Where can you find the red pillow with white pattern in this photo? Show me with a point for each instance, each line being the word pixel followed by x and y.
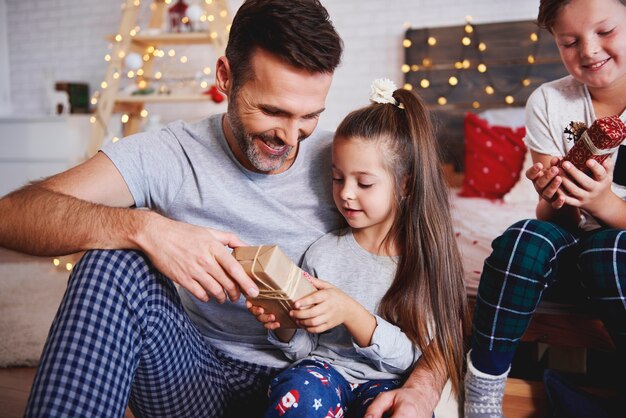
pixel 494 156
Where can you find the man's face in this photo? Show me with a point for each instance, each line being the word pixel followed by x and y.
pixel 269 114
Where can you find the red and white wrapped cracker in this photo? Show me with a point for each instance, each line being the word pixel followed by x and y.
pixel 599 141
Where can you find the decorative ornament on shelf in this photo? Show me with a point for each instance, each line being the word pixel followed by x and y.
pixel 177 15
pixel 194 14
pixel 143 92
pixel 133 61
pixel 215 94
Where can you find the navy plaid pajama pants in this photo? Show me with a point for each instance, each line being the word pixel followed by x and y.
pixel 122 336
pixel 532 257
pixel 314 389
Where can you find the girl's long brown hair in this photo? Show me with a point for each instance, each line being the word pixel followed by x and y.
pixel 427 297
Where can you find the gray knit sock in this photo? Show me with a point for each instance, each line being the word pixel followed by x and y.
pixel 483 393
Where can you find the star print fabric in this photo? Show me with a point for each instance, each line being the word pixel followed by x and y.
pixel 314 389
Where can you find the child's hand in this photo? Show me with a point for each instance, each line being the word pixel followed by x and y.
pixel 589 192
pixel 268 320
pixel 547 182
pixel 324 309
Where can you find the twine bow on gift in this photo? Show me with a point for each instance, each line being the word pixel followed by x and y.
pixel 282 295
pixel 588 142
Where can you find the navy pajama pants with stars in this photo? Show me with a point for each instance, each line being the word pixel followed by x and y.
pixel 315 389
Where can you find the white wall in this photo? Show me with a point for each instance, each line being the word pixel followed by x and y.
pixel 67 38
pixel 5 92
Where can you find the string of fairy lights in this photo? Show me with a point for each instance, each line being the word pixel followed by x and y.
pixel 128 66
pixel 470 38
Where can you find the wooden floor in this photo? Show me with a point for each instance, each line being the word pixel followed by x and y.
pixel 15 385
pixel 521 399
pixel 524 399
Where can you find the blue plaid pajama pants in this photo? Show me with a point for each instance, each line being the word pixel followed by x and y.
pixel 122 336
pixel 314 389
pixel 532 257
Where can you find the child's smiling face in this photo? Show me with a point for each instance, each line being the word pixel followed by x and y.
pixel 591 37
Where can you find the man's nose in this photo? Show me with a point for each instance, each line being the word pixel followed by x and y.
pixel 291 133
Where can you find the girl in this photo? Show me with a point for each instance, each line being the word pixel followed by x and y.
pixel 566 241
pixel 398 257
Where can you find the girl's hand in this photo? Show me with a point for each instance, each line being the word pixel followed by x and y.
pixel 591 193
pixel 547 182
pixel 324 309
pixel 268 320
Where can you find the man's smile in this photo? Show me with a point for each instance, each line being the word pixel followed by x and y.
pixel 273 146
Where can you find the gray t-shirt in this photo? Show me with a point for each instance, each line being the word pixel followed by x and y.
pixel 187 172
pixel 549 110
pixel 337 258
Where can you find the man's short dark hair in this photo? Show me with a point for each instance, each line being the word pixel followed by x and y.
pixel 297 31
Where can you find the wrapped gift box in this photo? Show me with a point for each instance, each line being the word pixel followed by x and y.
pixel 280 281
pixel 599 141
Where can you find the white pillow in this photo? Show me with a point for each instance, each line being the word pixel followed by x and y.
pixel 511 117
pixel 523 191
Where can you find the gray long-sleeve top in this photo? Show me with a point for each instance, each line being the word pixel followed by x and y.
pixel 365 277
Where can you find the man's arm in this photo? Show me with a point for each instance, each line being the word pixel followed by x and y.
pixel 417 398
pixel 87 207
pixel 66 213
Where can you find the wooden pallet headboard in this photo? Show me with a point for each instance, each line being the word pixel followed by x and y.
pixel 517 58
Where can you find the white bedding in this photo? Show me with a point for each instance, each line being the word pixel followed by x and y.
pixel 477 222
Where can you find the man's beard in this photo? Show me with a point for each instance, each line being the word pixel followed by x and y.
pixel 245 141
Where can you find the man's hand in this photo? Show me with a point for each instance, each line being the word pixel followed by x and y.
pixel 404 402
pixel 417 398
pixel 96 198
pixel 196 258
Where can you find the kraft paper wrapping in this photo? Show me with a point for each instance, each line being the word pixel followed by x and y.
pixel 599 141
pixel 280 281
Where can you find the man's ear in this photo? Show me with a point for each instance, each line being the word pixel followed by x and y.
pixel 223 76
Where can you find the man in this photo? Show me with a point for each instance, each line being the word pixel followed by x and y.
pixel 123 333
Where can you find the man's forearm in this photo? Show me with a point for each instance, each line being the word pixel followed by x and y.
pixel 428 382
pixel 39 221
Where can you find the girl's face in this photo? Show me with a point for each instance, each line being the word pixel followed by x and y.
pixel 363 189
pixel 591 37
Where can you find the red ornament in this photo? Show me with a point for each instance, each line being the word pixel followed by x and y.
pixel 215 94
pixel 177 17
